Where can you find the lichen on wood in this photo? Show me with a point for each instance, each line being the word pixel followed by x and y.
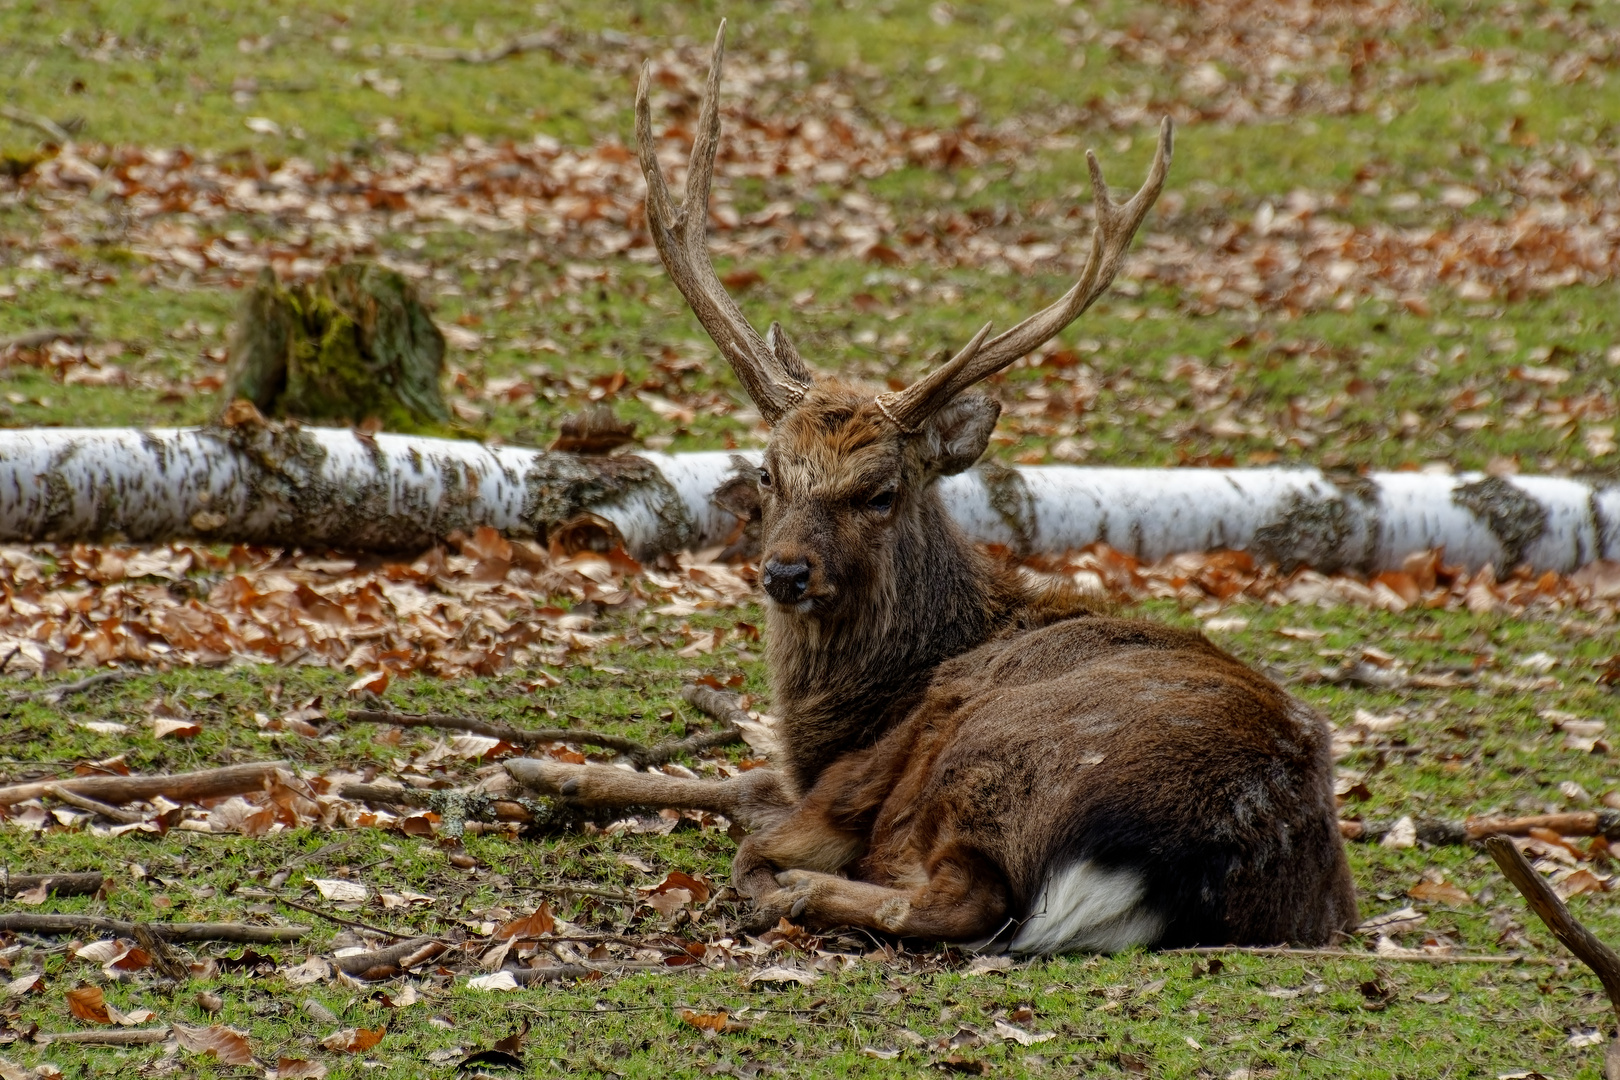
pixel 355 344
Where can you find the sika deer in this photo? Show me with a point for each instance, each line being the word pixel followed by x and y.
pixel 968 756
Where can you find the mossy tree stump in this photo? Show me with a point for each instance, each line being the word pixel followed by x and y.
pixel 355 344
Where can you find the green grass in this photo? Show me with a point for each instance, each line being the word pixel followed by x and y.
pixel 1464 751
pixel 1147 378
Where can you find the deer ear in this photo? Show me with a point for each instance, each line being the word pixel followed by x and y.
pixel 955 436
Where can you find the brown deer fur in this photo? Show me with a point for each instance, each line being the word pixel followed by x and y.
pixel 969 754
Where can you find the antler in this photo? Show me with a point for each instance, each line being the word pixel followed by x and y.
pixel 770 369
pixel 1116 225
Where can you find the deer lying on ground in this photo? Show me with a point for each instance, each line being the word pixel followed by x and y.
pixel 969 756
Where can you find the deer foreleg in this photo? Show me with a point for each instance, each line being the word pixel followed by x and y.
pixel 957 903
pixel 754 800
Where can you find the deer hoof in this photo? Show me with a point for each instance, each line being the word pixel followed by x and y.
pixel 569 786
pixel 798 907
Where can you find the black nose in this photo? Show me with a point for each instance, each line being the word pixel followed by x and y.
pixel 786 582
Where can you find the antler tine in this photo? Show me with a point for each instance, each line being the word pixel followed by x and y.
pixel 1116 225
pixel 772 373
pixel 1110 239
pixel 908 408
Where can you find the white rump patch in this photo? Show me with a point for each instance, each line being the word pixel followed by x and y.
pixel 1084 908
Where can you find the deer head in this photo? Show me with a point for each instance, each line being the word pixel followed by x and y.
pixel 849 507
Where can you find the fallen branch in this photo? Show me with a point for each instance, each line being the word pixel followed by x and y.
pixel 170 932
pixel 339 920
pixel 39 123
pixel 537 40
pixel 504 732
pixel 1566 928
pixel 582 969
pixel 33 339
pixel 456 807
pixel 385 963
pixel 261 482
pixel 177 787
pixel 85 884
pixel 84 802
pixel 1404 956
pixel 1442 832
pixel 715 704
pixel 638 753
pixel 110 1037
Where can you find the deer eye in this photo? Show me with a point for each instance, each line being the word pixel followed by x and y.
pixel 883 500
pixel 764 477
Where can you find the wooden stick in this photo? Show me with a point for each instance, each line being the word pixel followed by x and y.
pixel 504 732
pixel 54 694
pixel 1441 831
pixel 112 1037
pixel 85 884
pixel 84 802
pixel 1555 914
pixel 171 932
pixel 639 753
pixel 178 787
pixel 478 805
pixel 39 123
pixel 1566 928
pixel 391 960
pixel 1349 954
pixel 350 923
pixel 540 39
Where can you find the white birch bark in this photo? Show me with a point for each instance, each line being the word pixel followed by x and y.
pixel 314 486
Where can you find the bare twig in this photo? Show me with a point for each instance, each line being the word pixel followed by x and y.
pixel 585 890
pixel 39 123
pixel 1350 954
pixel 583 969
pixel 85 884
pixel 463 804
pixel 111 1037
pixel 171 932
pixel 33 339
pixel 546 40
pixel 350 923
pixel 1555 914
pixel 84 802
pixel 638 753
pixel 178 787
pixel 382 963
pixel 504 732
pixel 1440 831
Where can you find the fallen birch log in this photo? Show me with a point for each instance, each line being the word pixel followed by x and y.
pixel 259 482
pixel 178 787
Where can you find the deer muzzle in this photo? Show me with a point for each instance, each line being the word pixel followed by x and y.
pixel 786 582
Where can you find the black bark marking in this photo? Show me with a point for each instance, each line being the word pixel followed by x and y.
pixel 1012 502
pixel 1514 518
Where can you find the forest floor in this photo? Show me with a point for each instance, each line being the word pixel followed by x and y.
pixel 1387 242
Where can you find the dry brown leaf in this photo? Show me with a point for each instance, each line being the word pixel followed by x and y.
pixel 299 1069
pixel 227 1044
pixel 712 1024
pixel 88 1004
pixel 354 1040
pixel 1439 892
pixel 538 924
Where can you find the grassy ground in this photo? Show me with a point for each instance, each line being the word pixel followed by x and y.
pixel 1446 95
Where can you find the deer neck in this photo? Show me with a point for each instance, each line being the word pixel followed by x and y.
pixel 840 682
